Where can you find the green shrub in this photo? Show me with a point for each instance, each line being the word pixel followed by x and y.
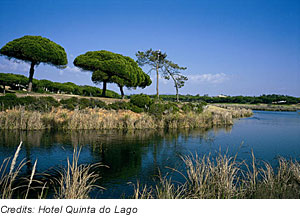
pixel 141 100
pixel 171 107
pixel 70 103
pixel 8 101
pixel 119 105
pixel 97 103
pixel 136 109
pixel 30 103
pixel 156 109
pixel 193 107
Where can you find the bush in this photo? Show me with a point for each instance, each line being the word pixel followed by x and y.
pixel 119 105
pixel 124 106
pixel 97 103
pixel 30 103
pixel 70 103
pixel 8 101
pixel 141 100
pixel 193 107
pixel 156 109
pixel 136 109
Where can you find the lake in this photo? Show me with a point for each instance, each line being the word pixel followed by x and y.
pixel 140 155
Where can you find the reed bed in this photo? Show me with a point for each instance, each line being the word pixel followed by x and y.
pixel 89 119
pixel 223 177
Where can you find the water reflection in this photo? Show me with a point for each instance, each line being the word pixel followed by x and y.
pixel 130 155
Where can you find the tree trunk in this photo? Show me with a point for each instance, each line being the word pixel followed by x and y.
pixel 4 88
pixel 176 86
pixel 157 77
pixel 121 90
pixel 104 89
pixel 31 72
pixel 177 95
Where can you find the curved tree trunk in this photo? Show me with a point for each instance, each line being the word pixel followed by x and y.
pixel 31 72
pixel 104 89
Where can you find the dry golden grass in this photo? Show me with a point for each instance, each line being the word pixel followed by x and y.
pixel 8 180
pixel 123 119
pixel 222 177
pixel 76 181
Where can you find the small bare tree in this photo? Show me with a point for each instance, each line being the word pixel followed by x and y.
pixel 172 70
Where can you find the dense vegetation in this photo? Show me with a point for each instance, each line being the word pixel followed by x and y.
pixel 138 103
pixel 19 82
pixel 266 99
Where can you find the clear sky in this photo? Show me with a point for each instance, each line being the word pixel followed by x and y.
pixel 232 47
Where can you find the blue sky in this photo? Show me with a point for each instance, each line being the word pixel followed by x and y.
pixel 232 47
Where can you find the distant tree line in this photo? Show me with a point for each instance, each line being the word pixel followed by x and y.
pixel 20 82
pixel 265 99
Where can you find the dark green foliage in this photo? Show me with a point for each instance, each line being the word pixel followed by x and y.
pixel 70 103
pixel 264 99
pixel 109 67
pixel 35 49
pixel 17 82
pixel 141 100
pixel 41 104
pixel 82 103
pixel 193 107
pixel 44 104
pixel 120 105
pixel 136 109
pixel 159 108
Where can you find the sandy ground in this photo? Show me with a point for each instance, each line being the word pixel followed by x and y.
pixel 66 96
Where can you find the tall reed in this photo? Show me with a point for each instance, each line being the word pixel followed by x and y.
pixel 8 179
pixel 77 181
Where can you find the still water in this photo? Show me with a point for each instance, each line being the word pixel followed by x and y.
pixel 140 155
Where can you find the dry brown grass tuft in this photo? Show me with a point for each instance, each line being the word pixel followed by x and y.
pixel 7 180
pixel 77 181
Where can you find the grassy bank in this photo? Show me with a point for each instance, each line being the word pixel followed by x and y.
pixel 59 118
pixel 263 107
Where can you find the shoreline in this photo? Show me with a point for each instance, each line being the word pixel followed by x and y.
pixel 262 107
